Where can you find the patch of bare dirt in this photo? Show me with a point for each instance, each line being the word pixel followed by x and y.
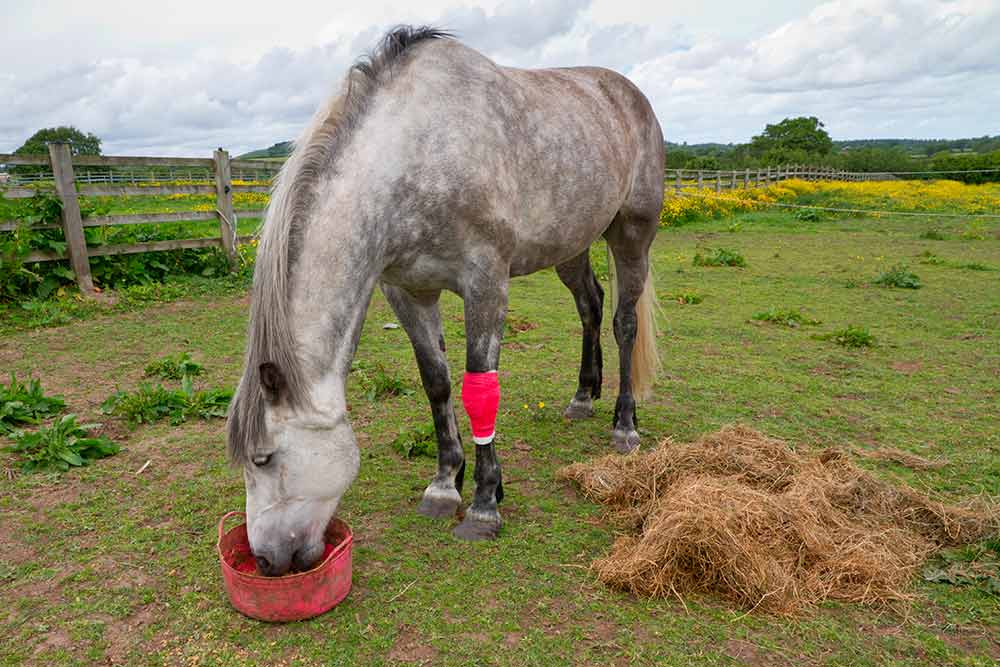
pixel 411 647
pixel 906 367
pixel 747 653
pixel 64 491
pixel 121 636
pixel 512 639
pixel 13 551
pixel 54 641
pixel 121 573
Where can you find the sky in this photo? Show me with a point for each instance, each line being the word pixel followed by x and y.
pixel 188 76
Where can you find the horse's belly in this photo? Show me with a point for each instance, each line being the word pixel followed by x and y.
pixel 544 242
pixel 424 273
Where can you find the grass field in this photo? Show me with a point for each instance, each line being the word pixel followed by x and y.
pixel 102 565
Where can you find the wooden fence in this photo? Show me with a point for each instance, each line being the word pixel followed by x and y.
pixel 219 168
pixel 68 188
pixel 678 179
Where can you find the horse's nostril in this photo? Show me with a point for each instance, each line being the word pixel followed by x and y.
pixel 263 564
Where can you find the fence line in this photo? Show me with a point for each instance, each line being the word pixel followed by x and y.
pixel 216 174
pixel 69 188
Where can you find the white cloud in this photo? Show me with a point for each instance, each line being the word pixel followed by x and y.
pixel 879 67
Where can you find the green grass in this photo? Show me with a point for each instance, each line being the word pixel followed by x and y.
pixel 106 563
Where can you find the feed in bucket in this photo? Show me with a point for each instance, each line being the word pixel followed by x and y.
pixel 292 597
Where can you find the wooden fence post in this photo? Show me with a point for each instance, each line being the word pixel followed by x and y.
pixel 746 178
pixel 699 179
pixel 72 222
pixel 677 182
pixel 732 186
pixel 718 182
pixel 224 205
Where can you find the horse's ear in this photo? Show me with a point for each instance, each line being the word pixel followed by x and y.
pixel 272 380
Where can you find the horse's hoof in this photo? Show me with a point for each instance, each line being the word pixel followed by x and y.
pixel 624 441
pixel 579 409
pixel 439 503
pixel 478 525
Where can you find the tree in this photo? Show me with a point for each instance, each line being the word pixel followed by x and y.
pixel 80 143
pixel 805 134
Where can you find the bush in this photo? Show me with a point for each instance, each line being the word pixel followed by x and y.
pixel 174 368
pixel 25 404
pixel 927 257
pixel 689 299
pixel 933 235
pixel 149 404
pixel 899 277
pixel 720 257
pixel 788 317
pixel 418 441
pixel 852 336
pixel 379 383
pixel 60 446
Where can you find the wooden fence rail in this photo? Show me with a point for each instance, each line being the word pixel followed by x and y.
pixel 732 179
pixel 69 188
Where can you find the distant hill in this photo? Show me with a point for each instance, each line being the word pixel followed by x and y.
pixel 915 147
pixel 280 149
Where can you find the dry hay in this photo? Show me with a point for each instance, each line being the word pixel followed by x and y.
pixel 903 458
pixel 740 514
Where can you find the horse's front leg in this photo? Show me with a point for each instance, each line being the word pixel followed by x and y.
pixel 421 318
pixel 485 311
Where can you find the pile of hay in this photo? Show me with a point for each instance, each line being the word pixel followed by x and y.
pixel 742 515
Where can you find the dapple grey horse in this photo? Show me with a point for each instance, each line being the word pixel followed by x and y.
pixel 435 169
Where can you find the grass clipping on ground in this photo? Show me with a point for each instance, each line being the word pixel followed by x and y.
pixel 742 515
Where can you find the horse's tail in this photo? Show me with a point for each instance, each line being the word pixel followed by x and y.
pixel 645 356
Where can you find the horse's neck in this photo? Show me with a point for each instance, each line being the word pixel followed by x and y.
pixel 332 285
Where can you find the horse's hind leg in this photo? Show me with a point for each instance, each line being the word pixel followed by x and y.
pixel 629 238
pixel 421 318
pixel 579 277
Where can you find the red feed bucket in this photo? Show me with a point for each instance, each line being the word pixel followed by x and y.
pixel 292 597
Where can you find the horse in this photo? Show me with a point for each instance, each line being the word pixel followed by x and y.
pixel 433 168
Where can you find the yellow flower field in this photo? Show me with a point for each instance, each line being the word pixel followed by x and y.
pixel 940 196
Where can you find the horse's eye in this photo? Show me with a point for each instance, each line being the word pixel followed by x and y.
pixel 261 461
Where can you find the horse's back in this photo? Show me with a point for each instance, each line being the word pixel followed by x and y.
pixel 539 161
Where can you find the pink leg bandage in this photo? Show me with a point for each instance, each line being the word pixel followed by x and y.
pixel 481 398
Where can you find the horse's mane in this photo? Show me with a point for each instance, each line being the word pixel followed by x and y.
pixel 270 338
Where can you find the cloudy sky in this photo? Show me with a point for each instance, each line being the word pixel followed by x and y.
pixel 187 76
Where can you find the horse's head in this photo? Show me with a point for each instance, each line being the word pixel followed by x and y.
pixel 298 461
